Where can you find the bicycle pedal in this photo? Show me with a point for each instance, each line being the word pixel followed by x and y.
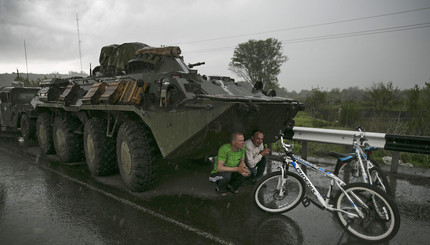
pixel 306 202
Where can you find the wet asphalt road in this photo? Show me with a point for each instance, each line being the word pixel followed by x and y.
pixel 43 201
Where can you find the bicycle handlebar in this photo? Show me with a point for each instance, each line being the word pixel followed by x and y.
pixel 360 136
pixel 288 148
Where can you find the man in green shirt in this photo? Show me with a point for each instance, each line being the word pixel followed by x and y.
pixel 230 170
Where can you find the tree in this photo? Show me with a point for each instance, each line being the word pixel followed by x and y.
pixel 259 60
pixel 315 102
pixel 349 114
pixel 382 97
pixel 334 97
pixel 425 106
pixel 353 94
pixel 413 101
pixel 418 105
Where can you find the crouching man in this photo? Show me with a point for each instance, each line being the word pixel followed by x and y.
pixel 230 170
pixel 256 155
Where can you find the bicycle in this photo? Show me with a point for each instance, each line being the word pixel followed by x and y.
pixel 362 167
pixel 365 211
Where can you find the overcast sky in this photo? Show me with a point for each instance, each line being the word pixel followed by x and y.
pixel 330 44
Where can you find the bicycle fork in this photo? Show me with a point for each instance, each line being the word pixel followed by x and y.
pixel 282 181
pixel 364 170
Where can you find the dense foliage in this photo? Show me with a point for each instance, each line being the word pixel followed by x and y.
pixel 380 108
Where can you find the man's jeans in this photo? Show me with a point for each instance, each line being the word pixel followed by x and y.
pixel 259 168
pixel 224 179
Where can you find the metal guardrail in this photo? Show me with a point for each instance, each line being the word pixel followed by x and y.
pixel 394 143
pixel 407 143
pixel 334 136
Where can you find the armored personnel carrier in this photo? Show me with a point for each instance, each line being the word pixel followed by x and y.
pixel 144 103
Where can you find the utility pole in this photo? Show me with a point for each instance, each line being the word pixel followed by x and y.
pixel 79 42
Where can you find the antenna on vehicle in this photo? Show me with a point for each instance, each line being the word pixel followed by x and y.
pixel 26 64
pixel 79 41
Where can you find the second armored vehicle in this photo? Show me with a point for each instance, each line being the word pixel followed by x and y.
pixel 16 112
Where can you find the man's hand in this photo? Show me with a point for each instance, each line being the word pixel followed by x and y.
pixel 243 169
pixel 265 152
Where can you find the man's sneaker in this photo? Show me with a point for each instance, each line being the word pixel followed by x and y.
pixel 232 190
pixel 223 194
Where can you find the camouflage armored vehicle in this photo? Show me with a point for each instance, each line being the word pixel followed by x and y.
pixel 16 112
pixel 144 103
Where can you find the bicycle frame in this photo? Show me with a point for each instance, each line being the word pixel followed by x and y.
pixel 295 161
pixel 362 156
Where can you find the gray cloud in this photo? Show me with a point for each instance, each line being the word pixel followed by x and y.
pixel 49 28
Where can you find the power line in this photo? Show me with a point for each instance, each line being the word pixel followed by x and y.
pixel 332 36
pixel 359 33
pixel 305 26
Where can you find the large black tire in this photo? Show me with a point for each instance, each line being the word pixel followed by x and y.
pixel 28 127
pixel 137 154
pixel 44 133
pixel 268 197
pixel 99 149
pixel 68 144
pixel 381 219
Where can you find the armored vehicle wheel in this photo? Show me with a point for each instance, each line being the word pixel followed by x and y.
pixel 28 127
pixel 67 143
pixel 99 149
pixel 137 153
pixel 44 133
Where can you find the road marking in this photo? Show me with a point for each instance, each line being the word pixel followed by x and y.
pixel 145 210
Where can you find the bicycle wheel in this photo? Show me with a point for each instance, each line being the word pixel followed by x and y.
pixel 349 174
pixel 271 198
pixel 381 219
pixel 379 179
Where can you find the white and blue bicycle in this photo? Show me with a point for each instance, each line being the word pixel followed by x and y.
pixel 358 166
pixel 365 211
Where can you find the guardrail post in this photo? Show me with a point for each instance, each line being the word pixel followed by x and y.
pixel 304 150
pixel 395 156
pixel 393 185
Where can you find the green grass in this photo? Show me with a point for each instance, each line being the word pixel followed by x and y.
pixel 314 149
pixel 303 119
